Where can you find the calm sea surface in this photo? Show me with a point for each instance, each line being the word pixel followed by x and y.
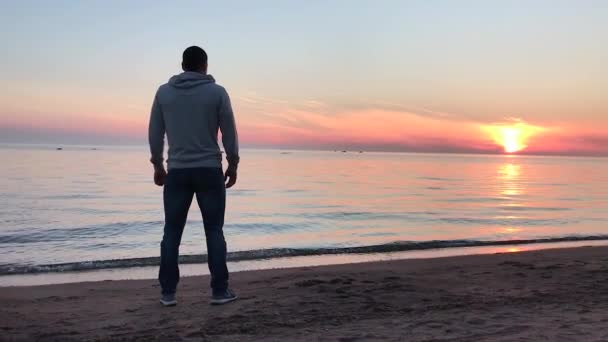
pixel 80 204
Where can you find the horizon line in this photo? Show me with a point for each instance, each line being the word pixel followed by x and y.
pixel 337 150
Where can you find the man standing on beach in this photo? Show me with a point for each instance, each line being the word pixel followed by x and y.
pixel 190 109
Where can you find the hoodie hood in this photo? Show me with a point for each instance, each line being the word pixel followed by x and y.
pixel 190 79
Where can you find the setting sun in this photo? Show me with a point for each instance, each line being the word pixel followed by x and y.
pixel 514 137
pixel 511 140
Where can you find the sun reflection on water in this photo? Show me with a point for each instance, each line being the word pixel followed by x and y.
pixel 513 250
pixel 512 230
pixel 511 188
pixel 509 177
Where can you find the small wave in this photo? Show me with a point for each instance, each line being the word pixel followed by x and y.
pixel 526 208
pixel 358 215
pixel 570 199
pixel 440 179
pixel 508 221
pixel 79 233
pixel 72 196
pixel 429 217
pixel 473 199
pixel 243 192
pixel 260 254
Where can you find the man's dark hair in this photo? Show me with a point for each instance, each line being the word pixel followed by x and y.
pixel 194 58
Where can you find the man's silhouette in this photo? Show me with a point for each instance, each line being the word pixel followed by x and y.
pixel 190 109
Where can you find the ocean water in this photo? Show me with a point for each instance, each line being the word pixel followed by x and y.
pixel 87 207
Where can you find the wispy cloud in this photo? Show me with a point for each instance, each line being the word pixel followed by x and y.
pixel 393 126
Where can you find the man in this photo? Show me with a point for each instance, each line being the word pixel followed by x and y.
pixel 190 109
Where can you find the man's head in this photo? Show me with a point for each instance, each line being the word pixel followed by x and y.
pixel 194 59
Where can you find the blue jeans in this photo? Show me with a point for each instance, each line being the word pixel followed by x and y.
pixel 180 187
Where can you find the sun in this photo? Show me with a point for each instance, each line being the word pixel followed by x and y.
pixel 512 137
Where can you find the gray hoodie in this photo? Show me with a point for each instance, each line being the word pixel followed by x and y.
pixel 190 109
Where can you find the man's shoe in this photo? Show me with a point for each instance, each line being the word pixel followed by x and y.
pixel 223 297
pixel 168 300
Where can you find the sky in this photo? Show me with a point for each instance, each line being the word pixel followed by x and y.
pixel 424 76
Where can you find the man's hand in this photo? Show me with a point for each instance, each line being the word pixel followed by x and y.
pixel 230 176
pixel 159 176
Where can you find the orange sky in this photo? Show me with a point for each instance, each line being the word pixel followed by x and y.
pixel 315 124
pixel 482 78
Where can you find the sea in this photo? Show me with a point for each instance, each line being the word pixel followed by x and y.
pixel 83 208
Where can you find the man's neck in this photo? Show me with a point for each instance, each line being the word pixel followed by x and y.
pixel 198 71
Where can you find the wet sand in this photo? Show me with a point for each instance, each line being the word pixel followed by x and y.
pixel 555 295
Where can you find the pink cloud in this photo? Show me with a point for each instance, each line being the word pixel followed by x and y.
pixel 316 124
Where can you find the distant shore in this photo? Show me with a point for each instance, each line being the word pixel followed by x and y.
pixel 539 295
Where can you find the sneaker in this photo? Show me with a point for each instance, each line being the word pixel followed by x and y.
pixel 223 298
pixel 168 300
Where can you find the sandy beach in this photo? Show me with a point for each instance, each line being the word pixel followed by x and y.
pixel 555 295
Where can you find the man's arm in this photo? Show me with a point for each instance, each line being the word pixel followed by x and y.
pixel 156 139
pixel 230 138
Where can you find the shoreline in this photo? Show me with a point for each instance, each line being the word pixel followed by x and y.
pixel 550 294
pixel 198 269
pixel 274 253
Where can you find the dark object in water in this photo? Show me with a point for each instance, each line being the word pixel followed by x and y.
pixel 285 152
pixel 360 151
pixel 343 151
pixel 59 148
